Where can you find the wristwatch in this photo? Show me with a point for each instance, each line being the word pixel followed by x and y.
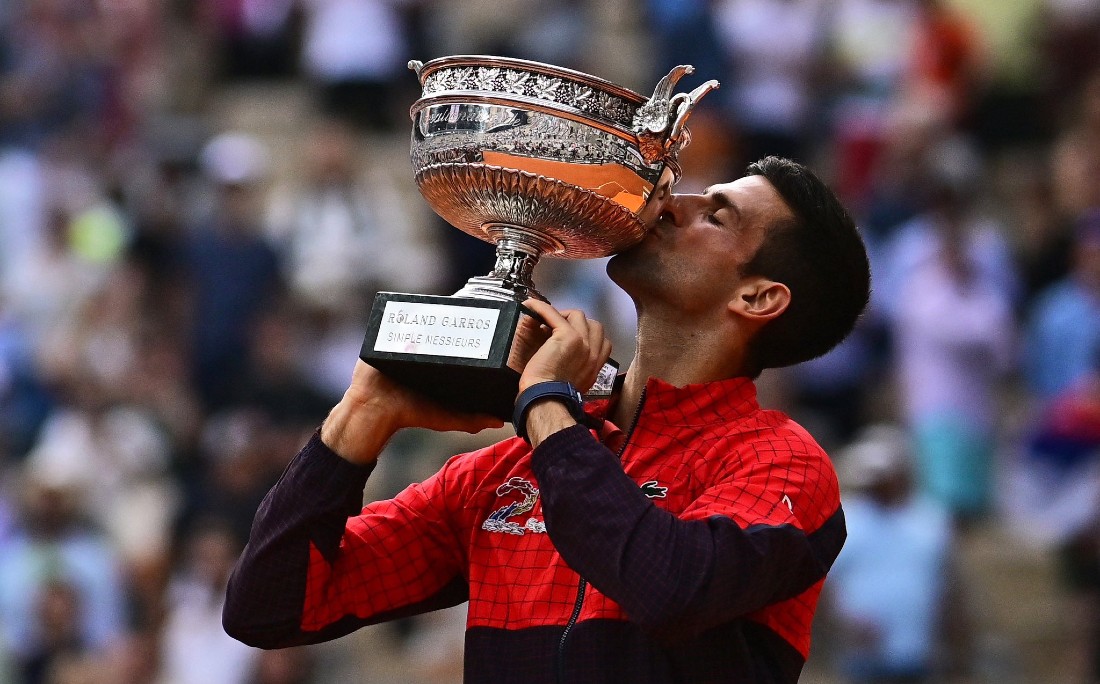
pixel 557 390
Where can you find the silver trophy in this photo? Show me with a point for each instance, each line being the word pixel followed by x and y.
pixel 538 160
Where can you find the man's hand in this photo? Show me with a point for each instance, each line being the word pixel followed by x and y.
pixel 575 352
pixel 374 408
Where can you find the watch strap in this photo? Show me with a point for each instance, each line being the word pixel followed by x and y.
pixel 557 390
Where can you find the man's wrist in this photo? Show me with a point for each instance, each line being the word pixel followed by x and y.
pixel 356 431
pixel 546 417
pixel 535 416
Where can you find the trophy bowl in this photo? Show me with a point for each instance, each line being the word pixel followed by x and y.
pixel 538 160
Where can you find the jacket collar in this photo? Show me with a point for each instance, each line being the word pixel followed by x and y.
pixel 705 403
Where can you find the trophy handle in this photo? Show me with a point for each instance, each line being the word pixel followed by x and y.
pixel 659 123
pixel 652 117
pixel 678 136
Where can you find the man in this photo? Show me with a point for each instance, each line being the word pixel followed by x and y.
pixel 689 548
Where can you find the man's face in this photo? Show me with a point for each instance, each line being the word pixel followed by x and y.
pixel 693 255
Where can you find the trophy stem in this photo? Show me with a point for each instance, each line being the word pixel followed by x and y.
pixel 518 249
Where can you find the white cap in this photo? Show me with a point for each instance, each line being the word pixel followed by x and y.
pixel 235 158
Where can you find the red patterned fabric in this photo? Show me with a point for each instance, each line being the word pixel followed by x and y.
pixel 702 547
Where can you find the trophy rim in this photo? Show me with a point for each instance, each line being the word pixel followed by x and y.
pixel 557 109
pixel 530 65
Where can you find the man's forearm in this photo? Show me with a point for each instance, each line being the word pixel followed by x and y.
pixel 668 574
pixel 309 507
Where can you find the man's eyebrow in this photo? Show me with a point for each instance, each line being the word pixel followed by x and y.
pixel 724 200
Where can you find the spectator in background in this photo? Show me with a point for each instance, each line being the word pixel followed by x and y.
pixel 256 37
pixel 54 74
pixel 335 335
pixel 561 32
pixel 121 457
pixel 1076 154
pixel 1063 331
pixel 61 645
pixel 345 231
pixel 195 648
pixel 97 342
pixel 241 461
pixel 555 32
pixel 1056 497
pixel 163 197
pixel 273 381
pixel 60 580
pixel 25 402
pixel 887 590
pixel 949 308
pixel 945 62
pixel 22 209
pixel 829 393
pixel 684 32
pixel 354 51
pixel 1044 237
pixel 775 49
pixel 50 282
pixel 1071 48
pixel 233 271
pixel 869 47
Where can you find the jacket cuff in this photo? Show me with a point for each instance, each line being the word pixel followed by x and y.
pixel 561 442
pixel 326 476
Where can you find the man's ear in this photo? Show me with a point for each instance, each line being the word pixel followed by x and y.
pixel 760 299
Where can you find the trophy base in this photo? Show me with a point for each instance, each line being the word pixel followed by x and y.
pixel 457 351
pixel 460 352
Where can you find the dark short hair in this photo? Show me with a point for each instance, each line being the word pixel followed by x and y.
pixel 819 255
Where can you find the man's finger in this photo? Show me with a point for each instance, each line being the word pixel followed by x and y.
pixel 550 315
pixel 579 322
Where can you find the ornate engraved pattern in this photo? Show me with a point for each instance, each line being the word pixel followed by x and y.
pixel 552 89
pixel 546 88
pixel 543 136
pixel 471 195
pixel 515 82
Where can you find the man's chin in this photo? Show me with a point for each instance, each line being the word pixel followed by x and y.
pixel 615 264
pixel 625 268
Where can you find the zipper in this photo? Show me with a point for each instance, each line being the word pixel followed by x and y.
pixel 582 586
pixel 633 424
pixel 568 627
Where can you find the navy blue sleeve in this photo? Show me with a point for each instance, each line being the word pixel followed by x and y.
pixel 669 575
pixel 312 501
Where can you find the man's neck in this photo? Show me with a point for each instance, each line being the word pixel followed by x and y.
pixel 679 354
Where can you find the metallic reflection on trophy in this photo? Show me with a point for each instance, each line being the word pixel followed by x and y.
pixel 538 160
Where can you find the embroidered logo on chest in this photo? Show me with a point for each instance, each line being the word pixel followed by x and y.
pixel 524 495
pixel 653 490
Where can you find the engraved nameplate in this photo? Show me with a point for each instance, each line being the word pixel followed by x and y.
pixel 437 330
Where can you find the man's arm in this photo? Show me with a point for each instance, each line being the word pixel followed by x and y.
pixel 736 549
pixel 317 564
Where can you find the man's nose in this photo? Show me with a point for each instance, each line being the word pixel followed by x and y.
pixel 679 207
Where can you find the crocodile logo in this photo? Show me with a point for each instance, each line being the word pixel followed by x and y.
pixel 653 490
pixel 499 521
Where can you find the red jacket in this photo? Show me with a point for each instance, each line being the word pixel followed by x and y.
pixel 702 538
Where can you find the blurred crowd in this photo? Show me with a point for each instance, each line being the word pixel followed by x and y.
pixel 181 300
